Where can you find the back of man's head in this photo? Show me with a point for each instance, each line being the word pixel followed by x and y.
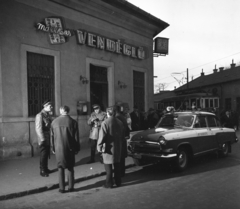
pixel 65 108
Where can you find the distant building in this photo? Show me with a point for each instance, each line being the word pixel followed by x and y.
pixel 220 90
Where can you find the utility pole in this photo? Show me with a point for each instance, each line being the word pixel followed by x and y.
pixel 187 78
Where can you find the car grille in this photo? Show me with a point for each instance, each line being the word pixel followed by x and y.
pixel 145 147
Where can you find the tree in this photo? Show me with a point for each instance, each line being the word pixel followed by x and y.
pixel 160 87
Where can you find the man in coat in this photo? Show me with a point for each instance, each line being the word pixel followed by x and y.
pixel 42 126
pixel 65 144
pixel 110 144
pixel 124 154
pixel 136 119
pixel 228 120
pixel 95 121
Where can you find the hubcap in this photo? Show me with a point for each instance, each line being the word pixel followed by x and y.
pixel 182 159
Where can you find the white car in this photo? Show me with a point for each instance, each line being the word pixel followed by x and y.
pixel 180 136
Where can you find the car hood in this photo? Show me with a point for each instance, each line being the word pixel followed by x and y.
pixel 154 134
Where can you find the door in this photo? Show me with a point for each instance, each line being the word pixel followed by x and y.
pixel 99 86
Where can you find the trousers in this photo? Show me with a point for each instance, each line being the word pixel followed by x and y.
pixel 109 174
pixel 44 154
pixel 61 178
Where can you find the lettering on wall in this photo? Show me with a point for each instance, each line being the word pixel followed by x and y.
pixel 54 26
pixel 58 35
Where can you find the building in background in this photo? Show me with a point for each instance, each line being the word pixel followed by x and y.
pixel 76 53
pixel 219 90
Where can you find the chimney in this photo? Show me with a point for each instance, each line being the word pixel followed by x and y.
pixel 202 73
pixel 215 70
pixel 221 69
pixel 233 64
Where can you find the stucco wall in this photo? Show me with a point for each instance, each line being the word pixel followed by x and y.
pixel 18 137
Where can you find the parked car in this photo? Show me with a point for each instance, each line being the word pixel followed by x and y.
pixel 181 136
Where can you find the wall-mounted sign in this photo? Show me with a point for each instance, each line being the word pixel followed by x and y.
pixel 161 45
pixel 103 43
pixel 54 26
pixel 59 35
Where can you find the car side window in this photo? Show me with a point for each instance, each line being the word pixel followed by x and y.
pixel 202 121
pixel 211 121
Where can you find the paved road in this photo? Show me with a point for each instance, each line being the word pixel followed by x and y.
pixel 210 183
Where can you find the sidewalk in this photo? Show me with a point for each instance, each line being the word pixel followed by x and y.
pixel 22 176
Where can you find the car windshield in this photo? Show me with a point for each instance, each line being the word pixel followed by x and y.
pixel 184 120
pixel 176 121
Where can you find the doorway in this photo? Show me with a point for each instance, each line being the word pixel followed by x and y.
pixel 99 86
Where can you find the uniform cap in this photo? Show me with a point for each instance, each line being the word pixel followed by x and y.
pixel 96 106
pixel 47 102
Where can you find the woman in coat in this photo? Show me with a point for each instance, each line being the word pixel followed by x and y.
pixel 110 144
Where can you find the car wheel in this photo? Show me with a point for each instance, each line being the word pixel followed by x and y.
pixel 182 159
pixel 225 149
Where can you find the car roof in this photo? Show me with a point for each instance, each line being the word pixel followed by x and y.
pixel 191 113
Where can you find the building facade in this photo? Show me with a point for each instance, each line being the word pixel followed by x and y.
pixel 219 90
pixel 74 53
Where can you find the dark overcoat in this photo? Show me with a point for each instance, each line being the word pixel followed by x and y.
pixel 65 140
pixel 126 134
pixel 110 140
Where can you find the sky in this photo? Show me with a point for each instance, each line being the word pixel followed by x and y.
pixel 202 34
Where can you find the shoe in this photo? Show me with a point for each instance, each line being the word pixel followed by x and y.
pixel 71 190
pixel 119 184
pixel 107 187
pixel 48 171
pixel 61 191
pixel 91 161
pixel 43 174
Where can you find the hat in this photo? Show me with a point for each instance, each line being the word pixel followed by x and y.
pixel 46 103
pixel 96 106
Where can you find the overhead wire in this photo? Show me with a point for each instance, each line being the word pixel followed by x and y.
pixel 197 67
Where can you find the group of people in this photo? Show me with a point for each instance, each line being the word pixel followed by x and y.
pixel 143 120
pixel 108 134
pixel 60 136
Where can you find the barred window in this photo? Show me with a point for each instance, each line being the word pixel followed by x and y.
pixel 40 78
pixel 139 90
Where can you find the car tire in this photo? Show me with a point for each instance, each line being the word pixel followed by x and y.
pixel 181 162
pixel 225 149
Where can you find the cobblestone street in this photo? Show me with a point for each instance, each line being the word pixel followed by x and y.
pixel 210 182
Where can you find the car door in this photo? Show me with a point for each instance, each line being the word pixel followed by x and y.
pixel 206 140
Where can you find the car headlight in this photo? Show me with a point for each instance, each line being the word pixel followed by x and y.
pixel 162 140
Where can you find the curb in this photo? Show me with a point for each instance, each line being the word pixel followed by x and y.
pixel 52 186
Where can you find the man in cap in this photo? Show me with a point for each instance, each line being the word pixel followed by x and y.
pixel 95 121
pixel 42 126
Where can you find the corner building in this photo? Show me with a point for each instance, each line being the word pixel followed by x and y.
pixel 75 53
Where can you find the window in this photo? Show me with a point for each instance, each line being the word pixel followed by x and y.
pixel 211 121
pixel 211 102
pixel 40 81
pixel 202 121
pixel 206 103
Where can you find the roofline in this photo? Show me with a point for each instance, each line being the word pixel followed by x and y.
pixel 136 11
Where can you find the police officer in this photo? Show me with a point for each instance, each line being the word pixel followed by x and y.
pixel 95 121
pixel 42 127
